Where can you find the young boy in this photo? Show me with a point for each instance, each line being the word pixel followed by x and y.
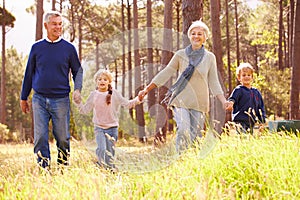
pixel 246 101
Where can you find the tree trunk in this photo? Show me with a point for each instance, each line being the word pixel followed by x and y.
pixel 192 10
pixel 228 49
pixel 237 34
pixel 280 36
pixel 129 55
pixel 178 17
pixel 53 4
pixel 137 75
pixel 3 71
pixel 97 53
pixel 151 94
pixel 295 82
pixel 39 20
pixel 217 113
pixel 123 49
pixel 291 30
pixel 216 35
pixel 162 112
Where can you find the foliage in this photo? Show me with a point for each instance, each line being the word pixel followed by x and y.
pixel 15 66
pixel 258 31
pixel 9 18
pixel 6 135
pixel 238 168
pixel 275 89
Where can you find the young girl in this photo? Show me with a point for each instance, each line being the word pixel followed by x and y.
pixel 246 101
pixel 105 103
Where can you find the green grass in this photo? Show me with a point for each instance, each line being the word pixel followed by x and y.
pixel 265 167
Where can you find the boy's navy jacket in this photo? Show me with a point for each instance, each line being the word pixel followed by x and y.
pixel 247 101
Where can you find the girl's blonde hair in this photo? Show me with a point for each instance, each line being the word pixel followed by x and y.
pixel 244 66
pixel 108 75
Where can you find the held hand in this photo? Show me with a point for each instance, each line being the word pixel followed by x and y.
pixel 77 96
pixel 228 105
pixel 24 106
pixel 142 94
pixel 261 128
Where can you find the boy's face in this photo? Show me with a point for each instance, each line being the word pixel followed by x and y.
pixel 245 77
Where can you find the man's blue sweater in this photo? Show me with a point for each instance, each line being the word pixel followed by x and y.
pixel 247 102
pixel 48 67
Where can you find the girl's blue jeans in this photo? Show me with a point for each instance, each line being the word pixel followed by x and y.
pixel 58 110
pixel 106 139
pixel 189 124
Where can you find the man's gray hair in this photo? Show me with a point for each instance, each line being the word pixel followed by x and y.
pixel 51 13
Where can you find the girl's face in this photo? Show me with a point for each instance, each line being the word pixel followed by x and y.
pixel 197 37
pixel 102 83
pixel 245 77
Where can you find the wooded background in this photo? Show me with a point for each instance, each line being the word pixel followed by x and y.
pixel 136 39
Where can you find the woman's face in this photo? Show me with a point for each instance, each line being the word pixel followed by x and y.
pixel 197 37
pixel 102 83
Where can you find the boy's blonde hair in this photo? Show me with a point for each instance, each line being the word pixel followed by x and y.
pixel 244 66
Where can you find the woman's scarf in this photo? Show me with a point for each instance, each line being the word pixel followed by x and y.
pixel 195 57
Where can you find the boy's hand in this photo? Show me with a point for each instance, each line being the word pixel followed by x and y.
pixel 229 105
pixel 261 127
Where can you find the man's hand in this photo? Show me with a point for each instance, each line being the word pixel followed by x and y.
pixel 77 96
pixel 24 106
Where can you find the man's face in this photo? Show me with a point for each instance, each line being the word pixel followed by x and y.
pixel 54 27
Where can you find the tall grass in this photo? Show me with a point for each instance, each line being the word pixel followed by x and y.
pixel 266 167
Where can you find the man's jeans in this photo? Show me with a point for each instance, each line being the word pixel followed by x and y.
pixel 106 139
pixel 189 125
pixel 57 110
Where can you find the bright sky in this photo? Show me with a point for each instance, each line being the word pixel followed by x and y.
pixel 22 36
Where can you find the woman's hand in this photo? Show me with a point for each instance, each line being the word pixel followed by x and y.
pixel 142 94
pixel 229 105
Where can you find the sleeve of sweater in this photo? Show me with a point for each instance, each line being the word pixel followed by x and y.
pixel 213 79
pixel 262 112
pixel 88 106
pixel 76 68
pixel 125 102
pixel 234 96
pixel 27 80
pixel 163 76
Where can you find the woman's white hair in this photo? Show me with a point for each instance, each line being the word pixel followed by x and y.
pixel 199 24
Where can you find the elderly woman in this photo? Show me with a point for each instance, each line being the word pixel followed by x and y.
pixel 189 96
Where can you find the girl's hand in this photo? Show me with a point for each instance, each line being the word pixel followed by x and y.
pixel 77 96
